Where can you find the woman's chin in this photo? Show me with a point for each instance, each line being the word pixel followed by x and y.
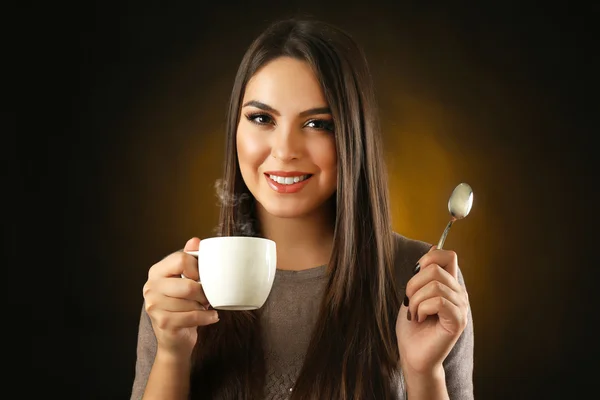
pixel 294 208
pixel 287 212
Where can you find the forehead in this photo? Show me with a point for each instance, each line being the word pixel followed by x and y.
pixel 286 84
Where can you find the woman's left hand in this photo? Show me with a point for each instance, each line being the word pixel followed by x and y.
pixel 436 315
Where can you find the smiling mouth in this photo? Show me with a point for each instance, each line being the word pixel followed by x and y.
pixel 288 180
pixel 289 184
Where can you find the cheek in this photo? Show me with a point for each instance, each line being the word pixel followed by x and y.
pixel 325 156
pixel 250 148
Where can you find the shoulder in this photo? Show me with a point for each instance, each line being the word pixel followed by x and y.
pixel 406 249
pixel 407 252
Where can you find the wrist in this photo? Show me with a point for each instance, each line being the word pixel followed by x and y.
pixel 426 385
pixel 167 357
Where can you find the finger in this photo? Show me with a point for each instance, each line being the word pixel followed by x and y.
pixel 447 259
pixel 432 272
pixel 190 269
pixel 192 245
pixel 432 290
pixel 416 269
pixel 187 319
pixel 191 273
pixel 450 316
pixel 175 264
pixel 161 302
pixel 181 289
pixel 417 266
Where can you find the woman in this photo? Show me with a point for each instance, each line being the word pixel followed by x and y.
pixel 304 167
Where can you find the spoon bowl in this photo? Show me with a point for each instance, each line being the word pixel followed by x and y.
pixel 460 201
pixel 459 206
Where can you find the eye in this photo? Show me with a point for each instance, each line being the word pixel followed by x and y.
pixel 259 119
pixel 320 124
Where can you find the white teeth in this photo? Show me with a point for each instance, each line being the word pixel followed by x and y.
pixel 288 180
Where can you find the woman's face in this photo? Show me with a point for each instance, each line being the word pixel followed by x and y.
pixel 285 140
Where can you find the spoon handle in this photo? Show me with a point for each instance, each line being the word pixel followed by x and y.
pixel 443 238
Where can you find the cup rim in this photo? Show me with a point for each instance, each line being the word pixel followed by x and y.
pixel 212 238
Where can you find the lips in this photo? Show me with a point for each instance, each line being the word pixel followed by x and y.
pixel 287 182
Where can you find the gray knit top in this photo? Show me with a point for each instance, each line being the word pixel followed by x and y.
pixel 287 324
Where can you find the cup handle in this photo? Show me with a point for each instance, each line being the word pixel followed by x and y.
pixel 192 253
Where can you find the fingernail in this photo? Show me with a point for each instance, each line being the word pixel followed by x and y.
pixel 417 268
pixel 405 300
pixel 408 315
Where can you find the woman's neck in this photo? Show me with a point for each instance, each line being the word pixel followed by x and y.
pixel 302 243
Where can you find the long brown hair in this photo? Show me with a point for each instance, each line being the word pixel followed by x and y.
pixel 353 352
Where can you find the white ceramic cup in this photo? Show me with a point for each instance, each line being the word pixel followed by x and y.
pixel 236 272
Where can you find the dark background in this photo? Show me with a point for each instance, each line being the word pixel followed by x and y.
pixel 119 135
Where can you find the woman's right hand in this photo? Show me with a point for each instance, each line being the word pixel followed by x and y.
pixel 177 306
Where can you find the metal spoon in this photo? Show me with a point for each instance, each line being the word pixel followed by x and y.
pixel 459 206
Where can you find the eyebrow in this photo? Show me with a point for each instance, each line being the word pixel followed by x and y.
pixel 266 107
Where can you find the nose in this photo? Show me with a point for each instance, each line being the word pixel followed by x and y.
pixel 286 143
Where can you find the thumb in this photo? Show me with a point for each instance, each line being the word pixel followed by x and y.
pixel 190 271
pixel 192 245
pixel 417 267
